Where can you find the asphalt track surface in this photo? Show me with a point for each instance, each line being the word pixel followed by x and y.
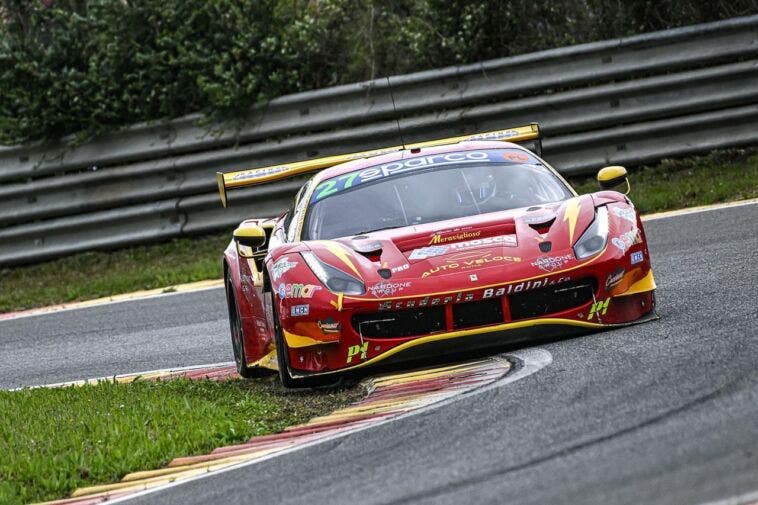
pixel 664 412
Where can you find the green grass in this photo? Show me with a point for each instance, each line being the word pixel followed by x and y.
pixel 719 177
pixel 55 440
pixel 96 274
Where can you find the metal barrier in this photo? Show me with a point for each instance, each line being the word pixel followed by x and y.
pixel 626 101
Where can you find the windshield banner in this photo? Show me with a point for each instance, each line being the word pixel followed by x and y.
pixel 353 179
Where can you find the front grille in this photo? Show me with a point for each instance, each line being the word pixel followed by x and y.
pixel 401 323
pixel 550 299
pixel 478 313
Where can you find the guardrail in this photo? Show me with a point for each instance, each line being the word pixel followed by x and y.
pixel 626 101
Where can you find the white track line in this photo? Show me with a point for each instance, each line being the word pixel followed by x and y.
pixel 531 361
pixel 111 300
pixel 745 499
pixel 113 378
pixel 696 210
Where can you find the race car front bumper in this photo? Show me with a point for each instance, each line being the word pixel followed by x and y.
pixel 355 333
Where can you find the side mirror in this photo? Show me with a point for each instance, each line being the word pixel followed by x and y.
pixel 250 236
pixel 610 177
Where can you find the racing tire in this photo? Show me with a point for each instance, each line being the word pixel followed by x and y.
pixel 237 333
pixel 288 381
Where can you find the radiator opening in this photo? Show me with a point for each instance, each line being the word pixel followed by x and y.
pixel 478 313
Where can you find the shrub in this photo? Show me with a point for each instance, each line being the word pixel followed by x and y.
pixel 88 66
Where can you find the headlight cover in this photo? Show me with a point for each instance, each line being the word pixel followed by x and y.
pixel 335 280
pixel 593 240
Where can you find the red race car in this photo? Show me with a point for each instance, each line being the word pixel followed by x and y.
pixel 429 249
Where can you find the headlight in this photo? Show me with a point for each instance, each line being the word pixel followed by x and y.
pixel 593 240
pixel 335 280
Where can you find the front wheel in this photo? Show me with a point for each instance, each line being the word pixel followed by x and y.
pixel 282 353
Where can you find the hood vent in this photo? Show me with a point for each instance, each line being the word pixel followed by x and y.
pixel 371 249
pixel 543 227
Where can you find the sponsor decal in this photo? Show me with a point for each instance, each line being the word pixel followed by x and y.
pixel 614 278
pixel 427 252
pixel 486 260
pixel 357 350
pixel 370 154
pixel 498 135
pixel 329 325
pixel 395 270
pixel 507 240
pixel 259 173
pixel 466 255
pixel 296 290
pixel 300 310
pixel 626 240
pixel 625 213
pixel 551 263
pixel 619 244
pixel 431 301
pixel 637 257
pixel 281 267
pixel 598 309
pixel 516 156
pixel 437 238
pixel 388 288
pixel 332 186
pixel 427 301
pixel 522 286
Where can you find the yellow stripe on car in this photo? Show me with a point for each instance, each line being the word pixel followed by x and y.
pixel 296 341
pixel 337 249
pixel 647 283
pixel 571 214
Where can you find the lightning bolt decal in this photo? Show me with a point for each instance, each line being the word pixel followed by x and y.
pixel 571 214
pixel 337 250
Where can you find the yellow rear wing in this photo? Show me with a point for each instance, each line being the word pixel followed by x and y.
pixel 255 176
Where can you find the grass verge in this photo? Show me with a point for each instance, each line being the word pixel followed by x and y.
pixel 97 274
pixel 55 440
pixel 721 176
pixel 672 184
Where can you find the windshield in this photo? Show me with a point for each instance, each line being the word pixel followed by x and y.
pixel 411 192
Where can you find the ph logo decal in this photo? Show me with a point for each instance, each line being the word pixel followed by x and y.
pixel 599 309
pixel 355 350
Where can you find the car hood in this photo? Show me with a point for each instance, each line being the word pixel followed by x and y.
pixel 527 241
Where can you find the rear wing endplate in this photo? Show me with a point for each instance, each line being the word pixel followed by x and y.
pixel 255 176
